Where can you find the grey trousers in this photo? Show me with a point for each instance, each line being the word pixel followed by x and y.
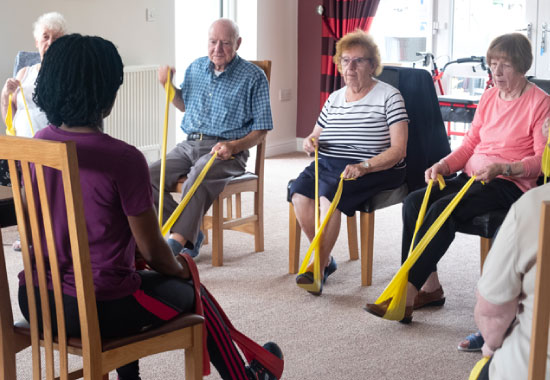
pixel 188 159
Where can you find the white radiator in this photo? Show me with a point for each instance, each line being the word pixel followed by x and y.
pixel 138 114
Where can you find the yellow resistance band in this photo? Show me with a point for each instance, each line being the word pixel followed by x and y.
pixel 26 109
pixel 476 371
pixel 177 212
pixel 397 288
pixel 546 159
pixel 316 285
pixel 424 206
pixel 169 97
pixel 10 130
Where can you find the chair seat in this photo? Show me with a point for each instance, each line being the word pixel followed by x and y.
pixel 484 225
pixel 177 323
pixel 385 198
pixel 247 176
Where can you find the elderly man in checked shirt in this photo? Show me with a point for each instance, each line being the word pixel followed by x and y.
pixel 226 103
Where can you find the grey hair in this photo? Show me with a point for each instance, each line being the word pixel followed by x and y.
pixel 232 24
pixel 53 21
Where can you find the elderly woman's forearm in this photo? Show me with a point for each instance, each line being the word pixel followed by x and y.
pixel 494 320
pixel 530 167
pixel 387 159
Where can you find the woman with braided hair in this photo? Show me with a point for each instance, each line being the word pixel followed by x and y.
pixel 76 88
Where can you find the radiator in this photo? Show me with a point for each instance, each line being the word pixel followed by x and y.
pixel 138 113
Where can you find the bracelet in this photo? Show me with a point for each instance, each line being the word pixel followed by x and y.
pixel 507 170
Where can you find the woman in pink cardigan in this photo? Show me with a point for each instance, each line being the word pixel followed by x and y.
pixel 503 149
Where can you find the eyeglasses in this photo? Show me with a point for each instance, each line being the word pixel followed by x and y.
pixel 361 61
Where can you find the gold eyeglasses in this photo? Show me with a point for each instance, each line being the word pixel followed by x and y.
pixel 360 61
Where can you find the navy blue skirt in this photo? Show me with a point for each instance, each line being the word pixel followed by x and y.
pixel 355 192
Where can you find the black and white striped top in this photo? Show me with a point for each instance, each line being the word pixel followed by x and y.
pixel 360 130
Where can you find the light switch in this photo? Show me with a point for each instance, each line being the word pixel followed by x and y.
pixel 150 14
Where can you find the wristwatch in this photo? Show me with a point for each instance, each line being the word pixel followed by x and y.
pixel 507 171
pixel 365 164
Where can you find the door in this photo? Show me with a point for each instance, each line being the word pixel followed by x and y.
pixel 541 49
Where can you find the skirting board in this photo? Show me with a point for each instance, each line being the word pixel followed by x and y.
pixel 292 145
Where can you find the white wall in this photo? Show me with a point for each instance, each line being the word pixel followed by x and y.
pixel 278 41
pixel 121 21
pixel 144 43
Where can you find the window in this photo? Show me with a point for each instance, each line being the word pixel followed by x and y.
pixel 401 28
pixel 477 22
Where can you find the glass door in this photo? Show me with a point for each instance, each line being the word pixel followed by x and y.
pixel 540 13
pixel 477 22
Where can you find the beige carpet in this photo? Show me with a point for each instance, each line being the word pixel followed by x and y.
pixel 327 337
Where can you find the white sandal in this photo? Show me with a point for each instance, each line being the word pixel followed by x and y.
pixel 16 245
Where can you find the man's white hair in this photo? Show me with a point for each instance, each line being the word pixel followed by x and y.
pixel 53 21
pixel 232 24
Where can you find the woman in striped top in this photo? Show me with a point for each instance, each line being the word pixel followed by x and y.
pixel 361 134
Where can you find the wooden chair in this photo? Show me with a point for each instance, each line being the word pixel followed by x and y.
pixel 248 182
pixel 426 145
pixel 541 309
pixel 99 356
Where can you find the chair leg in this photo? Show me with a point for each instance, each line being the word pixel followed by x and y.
pixel 205 232
pixel 484 247
pixel 367 247
pixel 229 207
pixel 352 238
pixel 7 358
pixel 294 235
pixel 217 232
pixel 238 207
pixel 193 355
pixel 259 224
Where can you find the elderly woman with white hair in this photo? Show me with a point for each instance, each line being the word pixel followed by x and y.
pixel 362 132
pixel 48 28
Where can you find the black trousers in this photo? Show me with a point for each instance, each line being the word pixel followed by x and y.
pixel 479 199
pixel 126 316
pixel 484 374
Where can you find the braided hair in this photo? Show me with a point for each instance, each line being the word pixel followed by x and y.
pixel 78 81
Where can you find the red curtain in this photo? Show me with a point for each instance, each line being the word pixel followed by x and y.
pixel 339 18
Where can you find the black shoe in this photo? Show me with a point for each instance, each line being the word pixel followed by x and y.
pixel 257 370
pixel 307 277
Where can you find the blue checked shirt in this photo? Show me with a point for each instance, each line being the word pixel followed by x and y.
pixel 230 105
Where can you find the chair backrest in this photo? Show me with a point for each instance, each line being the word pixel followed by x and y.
pixel 260 149
pixel 542 83
pixel 541 309
pixel 427 141
pixel 23 59
pixel 34 157
pixel 265 65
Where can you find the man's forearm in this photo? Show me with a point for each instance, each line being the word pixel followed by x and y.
pixel 248 141
pixel 178 100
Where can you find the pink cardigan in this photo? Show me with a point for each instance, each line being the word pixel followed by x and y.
pixel 505 132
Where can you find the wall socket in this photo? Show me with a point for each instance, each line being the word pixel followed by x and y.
pixel 150 14
pixel 285 94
